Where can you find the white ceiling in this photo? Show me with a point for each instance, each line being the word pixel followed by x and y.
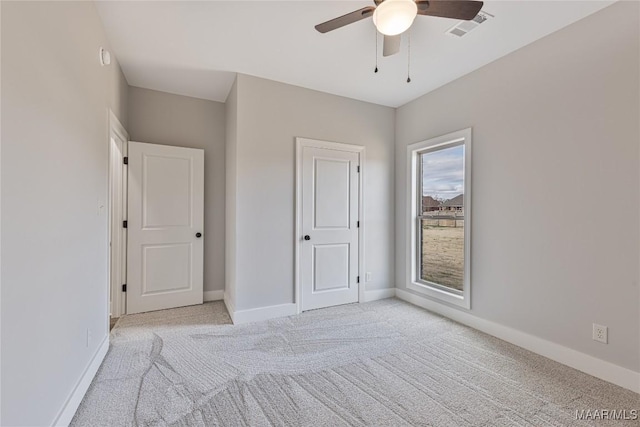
pixel 194 48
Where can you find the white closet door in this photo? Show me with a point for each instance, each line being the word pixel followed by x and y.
pixel 329 249
pixel 165 227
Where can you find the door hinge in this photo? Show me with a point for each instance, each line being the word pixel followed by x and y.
pixel 125 160
pixel 358 279
pixel 358 169
pixel 124 224
pixel 358 224
pixel 124 288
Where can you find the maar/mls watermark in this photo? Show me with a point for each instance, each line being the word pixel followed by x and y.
pixel 607 414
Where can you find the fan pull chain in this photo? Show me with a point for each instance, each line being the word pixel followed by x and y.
pixel 409 57
pixel 376 33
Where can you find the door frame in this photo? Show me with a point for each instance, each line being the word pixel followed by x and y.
pixel 338 146
pixel 114 223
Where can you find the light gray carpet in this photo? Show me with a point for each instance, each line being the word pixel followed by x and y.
pixel 385 363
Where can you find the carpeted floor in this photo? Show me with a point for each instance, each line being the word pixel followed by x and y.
pixel 384 363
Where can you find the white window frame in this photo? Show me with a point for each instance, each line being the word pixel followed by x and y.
pixel 414 283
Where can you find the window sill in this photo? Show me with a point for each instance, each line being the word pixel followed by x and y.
pixel 441 295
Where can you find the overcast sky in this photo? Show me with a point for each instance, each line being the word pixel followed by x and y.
pixel 443 173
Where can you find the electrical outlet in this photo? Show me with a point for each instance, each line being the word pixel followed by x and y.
pixel 600 333
pixel 88 337
pixel 368 276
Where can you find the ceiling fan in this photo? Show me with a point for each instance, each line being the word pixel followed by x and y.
pixel 393 17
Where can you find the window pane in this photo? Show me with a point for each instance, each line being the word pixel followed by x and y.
pixel 442 222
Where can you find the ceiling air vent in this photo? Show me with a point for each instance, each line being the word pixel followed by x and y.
pixel 465 27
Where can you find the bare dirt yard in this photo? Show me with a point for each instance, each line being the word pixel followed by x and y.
pixel 443 255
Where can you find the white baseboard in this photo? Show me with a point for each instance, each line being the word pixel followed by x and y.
pixel 231 308
pixel 213 295
pixel 376 294
pixel 583 362
pixel 264 313
pixel 73 401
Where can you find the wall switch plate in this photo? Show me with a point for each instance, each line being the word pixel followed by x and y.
pixel 600 333
pixel 100 207
pixel 367 277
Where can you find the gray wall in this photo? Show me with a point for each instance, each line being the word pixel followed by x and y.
pixel 555 183
pixel 269 117
pixel 55 100
pixel 164 118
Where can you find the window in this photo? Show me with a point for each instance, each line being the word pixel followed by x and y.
pixel 440 212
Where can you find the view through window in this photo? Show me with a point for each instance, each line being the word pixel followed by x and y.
pixel 441 217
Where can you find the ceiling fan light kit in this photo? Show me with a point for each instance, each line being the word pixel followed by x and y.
pixel 393 17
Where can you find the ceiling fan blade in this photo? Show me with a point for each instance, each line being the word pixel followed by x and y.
pixel 347 19
pixel 391 45
pixel 456 9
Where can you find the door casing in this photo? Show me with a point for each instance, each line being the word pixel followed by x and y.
pixel 117 235
pixel 339 146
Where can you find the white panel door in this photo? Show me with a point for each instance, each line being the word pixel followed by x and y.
pixel 117 234
pixel 165 227
pixel 329 245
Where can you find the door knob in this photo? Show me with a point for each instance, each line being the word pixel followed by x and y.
pixel 198 235
pixel 307 237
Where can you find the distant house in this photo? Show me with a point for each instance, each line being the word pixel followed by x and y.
pixel 429 204
pixel 456 204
